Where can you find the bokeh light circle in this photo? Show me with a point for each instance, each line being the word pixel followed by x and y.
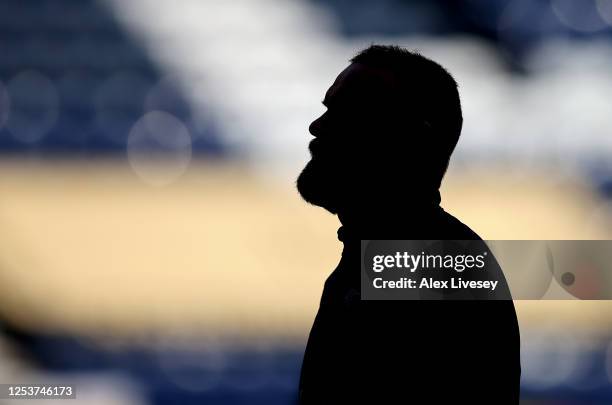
pixel 159 148
pixel 604 7
pixel 579 15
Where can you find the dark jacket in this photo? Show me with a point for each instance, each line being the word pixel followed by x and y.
pixel 408 352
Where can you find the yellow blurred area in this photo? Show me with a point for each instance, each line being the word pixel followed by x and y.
pixel 89 247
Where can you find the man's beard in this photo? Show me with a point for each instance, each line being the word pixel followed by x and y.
pixel 316 185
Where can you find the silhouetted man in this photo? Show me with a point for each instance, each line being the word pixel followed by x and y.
pixel 380 151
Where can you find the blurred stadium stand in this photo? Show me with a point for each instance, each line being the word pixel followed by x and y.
pixel 76 81
pixel 513 26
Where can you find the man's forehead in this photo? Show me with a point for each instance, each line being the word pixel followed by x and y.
pixel 360 81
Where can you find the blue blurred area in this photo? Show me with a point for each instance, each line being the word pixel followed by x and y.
pixel 76 82
pixel 513 26
pixel 243 375
pixel 178 375
pixel 73 79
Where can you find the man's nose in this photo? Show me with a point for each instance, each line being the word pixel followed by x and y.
pixel 315 127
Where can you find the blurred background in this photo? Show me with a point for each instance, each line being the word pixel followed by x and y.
pixel 153 249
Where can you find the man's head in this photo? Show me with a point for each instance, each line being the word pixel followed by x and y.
pixel 393 120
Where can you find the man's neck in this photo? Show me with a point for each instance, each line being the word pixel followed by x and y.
pixel 384 219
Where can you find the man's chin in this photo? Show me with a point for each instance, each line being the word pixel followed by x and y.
pixel 315 187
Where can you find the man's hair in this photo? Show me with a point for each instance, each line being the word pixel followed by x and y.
pixel 427 94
